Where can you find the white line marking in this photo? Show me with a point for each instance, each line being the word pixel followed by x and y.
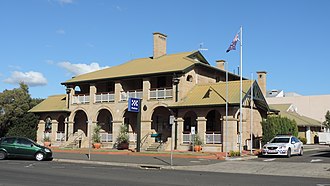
pixel 316 160
pixel 273 159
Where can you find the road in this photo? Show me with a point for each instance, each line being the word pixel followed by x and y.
pixel 28 172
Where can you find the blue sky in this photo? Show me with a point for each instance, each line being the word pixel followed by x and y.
pixel 46 42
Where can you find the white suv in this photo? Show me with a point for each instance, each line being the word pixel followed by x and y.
pixel 283 145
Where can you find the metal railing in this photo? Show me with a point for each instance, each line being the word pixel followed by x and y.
pixel 213 138
pixel 80 99
pixel 161 93
pixel 104 97
pixel 124 95
pixel 132 137
pixel 106 137
pixel 186 138
pixel 60 136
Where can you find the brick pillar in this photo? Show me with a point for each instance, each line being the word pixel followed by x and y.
pixel 92 92
pixel 229 139
pixel 180 129
pixel 118 89
pixel 116 128
pixel 40 131
pixel 201 124
pixel 54 130
pixel 146 88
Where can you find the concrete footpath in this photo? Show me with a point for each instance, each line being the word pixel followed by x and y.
pixel 193 161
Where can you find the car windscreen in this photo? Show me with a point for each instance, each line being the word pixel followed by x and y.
pixel 280 140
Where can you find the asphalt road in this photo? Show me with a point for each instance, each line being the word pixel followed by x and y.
pixel 28 172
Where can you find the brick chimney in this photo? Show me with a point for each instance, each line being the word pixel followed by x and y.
pixel 220 64
pixel 262 81
pixel 159 45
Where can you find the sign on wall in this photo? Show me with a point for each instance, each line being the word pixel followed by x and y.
pixel 134 105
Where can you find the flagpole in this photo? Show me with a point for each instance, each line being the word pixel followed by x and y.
pixel 251 116
pixel 241 90
pixel 226 145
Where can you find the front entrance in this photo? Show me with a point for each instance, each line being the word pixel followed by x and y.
pixel 160 123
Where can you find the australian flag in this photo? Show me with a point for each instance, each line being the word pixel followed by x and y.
pixel 233 44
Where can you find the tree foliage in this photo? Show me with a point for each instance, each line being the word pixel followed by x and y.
pixel 275 125
pixel 15 120
pixel 326 123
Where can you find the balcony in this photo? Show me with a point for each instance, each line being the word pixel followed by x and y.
pixel 80 99
pixel 161 93
pixel 104 97
pixel 124 95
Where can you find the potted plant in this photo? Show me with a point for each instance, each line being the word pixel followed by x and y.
pixel 197 143
pixel 96 137
pixel 47 141
pixel 123 138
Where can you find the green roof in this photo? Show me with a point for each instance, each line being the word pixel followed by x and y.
pixel 300 119
pixel 214 94
pixel 55 103
pixel 144 66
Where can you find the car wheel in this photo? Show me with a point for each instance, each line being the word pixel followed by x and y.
pixel 39 156
pixel 288 153
pixel 301 152
pixel 2 155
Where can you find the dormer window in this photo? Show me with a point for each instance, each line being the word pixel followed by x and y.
pixel 189 78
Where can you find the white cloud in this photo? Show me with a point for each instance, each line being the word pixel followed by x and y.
pixel 77 69
pixel 60 31
pixel 30 78
pixel 65 1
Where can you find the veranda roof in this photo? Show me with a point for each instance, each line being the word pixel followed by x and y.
pixel 55 103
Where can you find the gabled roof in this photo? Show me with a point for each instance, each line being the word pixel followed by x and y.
pixel 300 119
pixel 145 67
pixel 55 103
pixel 215 94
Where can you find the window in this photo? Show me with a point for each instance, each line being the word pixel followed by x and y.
pixel 25 142
pixel 9 140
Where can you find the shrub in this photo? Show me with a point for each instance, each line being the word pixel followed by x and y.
pixel 275 125
pixel 96 134
pixel 234 153
pixel 303 140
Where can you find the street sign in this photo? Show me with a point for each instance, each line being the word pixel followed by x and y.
pixel 193 131
pixel 134 105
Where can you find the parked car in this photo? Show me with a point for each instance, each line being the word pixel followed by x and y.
pixel 19 147
pixel 285 145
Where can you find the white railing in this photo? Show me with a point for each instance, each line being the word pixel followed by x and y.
pixel 130 94
pixel 104 97
pixel 80 99
pixel 186 138
pixel 60 136
pixel 213 138
pixel 106 137
pixel 161 93
pixel 132 137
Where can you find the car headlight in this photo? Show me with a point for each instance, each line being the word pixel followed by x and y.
pixel 47 150
pixel 282 147
pixel 264 147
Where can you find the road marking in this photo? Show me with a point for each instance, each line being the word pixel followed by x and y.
pixel 323 184
pixel 273 159
pixel 89 167
pixel 316 160
pixel 32 164
pixel 195 161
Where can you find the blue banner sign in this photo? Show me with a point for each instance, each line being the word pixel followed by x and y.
pixel 133 104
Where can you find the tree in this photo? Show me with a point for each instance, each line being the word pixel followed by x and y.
pixel 275 125
pixel 326 123
pixel 15 120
